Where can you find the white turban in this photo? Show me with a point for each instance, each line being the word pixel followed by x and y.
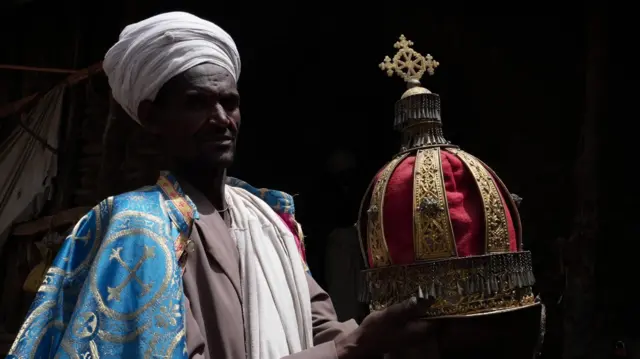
pixel 151 52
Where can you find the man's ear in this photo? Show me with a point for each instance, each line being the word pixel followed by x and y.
pixel 145 115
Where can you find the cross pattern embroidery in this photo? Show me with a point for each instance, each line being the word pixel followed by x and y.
pixel 74 238
pixel 86 325
pixel 114 292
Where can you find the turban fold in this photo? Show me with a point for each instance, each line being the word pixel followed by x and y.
pixel 151 52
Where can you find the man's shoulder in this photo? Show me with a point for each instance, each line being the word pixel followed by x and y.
pixel 145 198
pixel 143 208
pixel 146 193
pixel 279 201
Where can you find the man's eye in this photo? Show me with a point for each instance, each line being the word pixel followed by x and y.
pixel 196 101
pixel 230 103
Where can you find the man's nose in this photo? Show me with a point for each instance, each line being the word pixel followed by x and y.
pixel 219 116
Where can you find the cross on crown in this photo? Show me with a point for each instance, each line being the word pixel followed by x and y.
pixel 408 63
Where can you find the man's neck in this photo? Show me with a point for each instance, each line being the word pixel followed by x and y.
pixel 209 183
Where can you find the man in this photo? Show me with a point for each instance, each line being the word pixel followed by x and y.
pixel 192 267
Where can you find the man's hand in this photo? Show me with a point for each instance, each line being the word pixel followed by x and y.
pixel 396 327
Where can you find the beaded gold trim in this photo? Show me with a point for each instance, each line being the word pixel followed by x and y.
pixel 460 286
pixel 495 217
pixel 433 236
pixel 508 197
pixel 375 227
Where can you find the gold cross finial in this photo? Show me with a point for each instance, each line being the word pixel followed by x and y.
pixel 407 62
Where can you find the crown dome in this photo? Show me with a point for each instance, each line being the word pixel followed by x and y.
pixel 436 220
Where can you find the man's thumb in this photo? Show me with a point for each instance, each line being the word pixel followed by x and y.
pixel 413 307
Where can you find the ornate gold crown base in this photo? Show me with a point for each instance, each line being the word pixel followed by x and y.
pixel 461 286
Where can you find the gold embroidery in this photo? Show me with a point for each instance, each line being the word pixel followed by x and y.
pixel 67 348
pixel 168 316
pixel 114 292
pixel 95 245
pixel 35 314
pixel 174 344
pixel 149 353
pixel 460 286
pixel 263 192
pixel 93 349
pixel 165 255
pixel 47 288
pixel 132 335
pixel 85 325
pixel 36 343
pixel 433 236
pixel 376 242
pixel 496 227
pixel 78 342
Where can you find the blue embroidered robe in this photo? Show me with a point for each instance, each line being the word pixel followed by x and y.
pixel 115 288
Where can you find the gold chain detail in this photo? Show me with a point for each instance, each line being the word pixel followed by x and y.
pixel 375 228
pixel 460 286
pixel 496 226
pixel 433 236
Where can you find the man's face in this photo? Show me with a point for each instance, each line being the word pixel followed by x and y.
pixel 197 116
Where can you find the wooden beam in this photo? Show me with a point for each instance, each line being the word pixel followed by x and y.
pixel 36 69
pixel 66 217
pixel 22 104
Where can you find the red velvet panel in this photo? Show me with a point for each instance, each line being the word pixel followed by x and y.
pixel 465 210
pixel 398 213
pixel 465 206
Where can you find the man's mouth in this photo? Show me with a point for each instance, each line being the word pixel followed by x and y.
pixel 219 140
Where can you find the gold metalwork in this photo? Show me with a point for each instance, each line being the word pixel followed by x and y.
pixel 515 215
pixel 460 286
pixel 376 241
pixel 496 225
pixel 360 224
pixel 433 236
pixel 407 62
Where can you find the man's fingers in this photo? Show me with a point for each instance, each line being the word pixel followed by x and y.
pixel 409 309
pixel 420 329
pixel 421 339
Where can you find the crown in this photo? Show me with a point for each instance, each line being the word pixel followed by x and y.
pixel 437 220
pixel 417 113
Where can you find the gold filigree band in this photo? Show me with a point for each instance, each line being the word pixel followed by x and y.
pixel 433 234
pixel 375 227
pixel 511 203
pixel 495 216
pixel 460 286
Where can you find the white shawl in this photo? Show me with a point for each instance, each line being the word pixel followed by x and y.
pixel 275 291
